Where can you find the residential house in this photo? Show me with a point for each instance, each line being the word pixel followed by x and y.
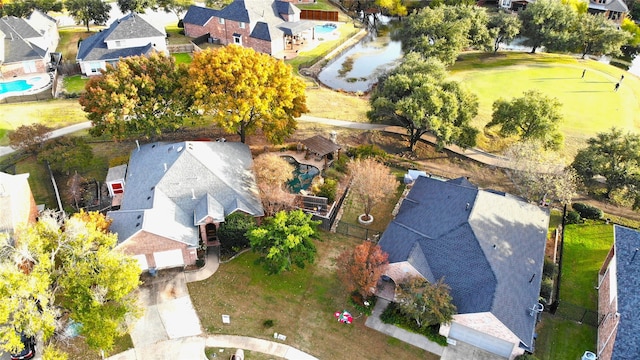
pixel 26 45
pixel 487 246
pixel 614 10
pixel 17 206
pixel 619 298
pixel 176 195
pixel 265 26
pixel 129 36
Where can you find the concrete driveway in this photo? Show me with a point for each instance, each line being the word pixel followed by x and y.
pixel 465 351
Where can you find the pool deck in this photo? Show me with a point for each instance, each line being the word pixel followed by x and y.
pixel 307 44
pixel 299 156
pixel 44 80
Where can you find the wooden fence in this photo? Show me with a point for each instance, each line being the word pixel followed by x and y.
pixel 320 15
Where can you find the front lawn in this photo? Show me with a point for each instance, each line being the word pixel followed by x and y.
pixel 300 303
pixel 563 339
pixel 585 248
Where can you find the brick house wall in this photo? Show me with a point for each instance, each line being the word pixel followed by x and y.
pixel 607 308
pixel 145 243
pixel 225 32
pixel 11 70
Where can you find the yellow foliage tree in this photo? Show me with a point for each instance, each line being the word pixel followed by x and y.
pixel 245 91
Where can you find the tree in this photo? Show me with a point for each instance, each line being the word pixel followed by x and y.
pixel 272 173
pixel 137 6
pixel 633 29
pixel 29 138
pixel 600 36
pixel 539 174
pixel 443 32
pixel 24 8
pixel 245 91
pixel 75 190
pixel 393 7
pixel 140 96
pixel 360 268
pixel 85 11
pixel 177 7
pixel 66 154
pixel 371 182
pixel 548 23
pixel 285 240
pixel 427 304
pixel 417 96
pixel 503 28
pixel 533 116
pixel 616 157
pixel 67 267
pixel 232 232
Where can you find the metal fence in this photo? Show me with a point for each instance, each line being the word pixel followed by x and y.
pixel 358 231
pixel 578 314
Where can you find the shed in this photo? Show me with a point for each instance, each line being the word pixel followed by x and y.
pixel 115 179
pixel 322 148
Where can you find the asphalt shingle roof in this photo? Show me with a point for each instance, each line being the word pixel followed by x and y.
pixel 489 248
pixel 199 15
pixel 175 186
pixel 627 343
pixel 17 47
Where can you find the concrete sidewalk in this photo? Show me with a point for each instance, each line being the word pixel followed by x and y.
pixel 259 345
pixel 210 267
pixel 414 339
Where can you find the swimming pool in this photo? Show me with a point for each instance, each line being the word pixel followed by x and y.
pixel 325 29
pixel 302 175
pixel 19 85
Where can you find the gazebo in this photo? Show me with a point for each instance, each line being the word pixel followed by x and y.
pixel 321 148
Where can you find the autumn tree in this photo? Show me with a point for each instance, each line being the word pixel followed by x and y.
pixel 616 157
pixel 425 303
pixel 538 173
pixel 371 182
pixel 393 7
pixel 86 11
pixel 534 116
pixel 65 267
pixel 548 23
pixel 284 240
pixel 444 31
pixel 503 28
pixel 360 268
pixel 74 193
pixel 272 174
pixel 417 96
pixel 29 138
pixel 599 36
pixel 244 91
pixel 139 96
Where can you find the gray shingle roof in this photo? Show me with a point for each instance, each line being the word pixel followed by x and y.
pixel 199 15
pixel 261 31
pixel 131 26
pixel 627 243
pixel 17 47
pixel 236 11
pixel 177 185
pixel 612 5
pixel 456 226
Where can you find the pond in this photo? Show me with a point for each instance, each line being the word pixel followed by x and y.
pixel 358 68
pixel 302 175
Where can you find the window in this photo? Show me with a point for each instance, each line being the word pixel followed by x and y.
pixel 95 67
pixel 29 66
pixel 221 20
pixel 241 25
pixel 237 39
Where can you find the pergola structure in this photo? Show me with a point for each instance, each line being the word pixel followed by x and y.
pixel 293 30
pixel 322 148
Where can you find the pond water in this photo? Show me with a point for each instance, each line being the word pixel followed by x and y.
pixel 358 68
pixel 302 175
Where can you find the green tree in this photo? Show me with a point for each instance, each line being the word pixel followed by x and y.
pixel 600 36
pixel 65 267
pixel 417 96
pixel 29 138
pixel 616 157
pixel 443 32
pixel 503 28
pixel 426 303
pixel 533 116
pixel 360 268
pixel 633 29
pixel 284 240
pixel 85 11
pixel 245 91
pixel 139 96
pixel 66 154
pixel 177 7
pixel 233 231
pixel 137 6
pixel 548 23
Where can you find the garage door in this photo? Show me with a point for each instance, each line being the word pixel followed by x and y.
pixel 481 340
pixel 142 261
pixel 169 258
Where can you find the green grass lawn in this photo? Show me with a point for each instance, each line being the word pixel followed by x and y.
pixel 176 35
pixel 68 44
pixel 301 304
pixel 74 84
pixel 589 105
pixel 563 339
pixel 585 248
pixel 39 181
pixel 182 58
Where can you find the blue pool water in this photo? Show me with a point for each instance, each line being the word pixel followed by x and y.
pixel 324 29
pixel 16 85
pixel 302 175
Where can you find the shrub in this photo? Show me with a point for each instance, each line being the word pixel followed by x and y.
pixel 328 190
pixel 526 357
pixel 357 302
pixel 546 288
pixel 232 231
pixel 340 164
pixel 587 211
pixel 199 263
pixel 550 269
pixel 268 323
pixel 367 151
pixel 392 315
pixel 573 217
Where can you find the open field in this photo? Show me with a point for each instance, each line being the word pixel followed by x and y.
pixel 589 105
pixel 301 304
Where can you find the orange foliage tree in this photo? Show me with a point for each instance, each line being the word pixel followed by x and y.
pixel 361 267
